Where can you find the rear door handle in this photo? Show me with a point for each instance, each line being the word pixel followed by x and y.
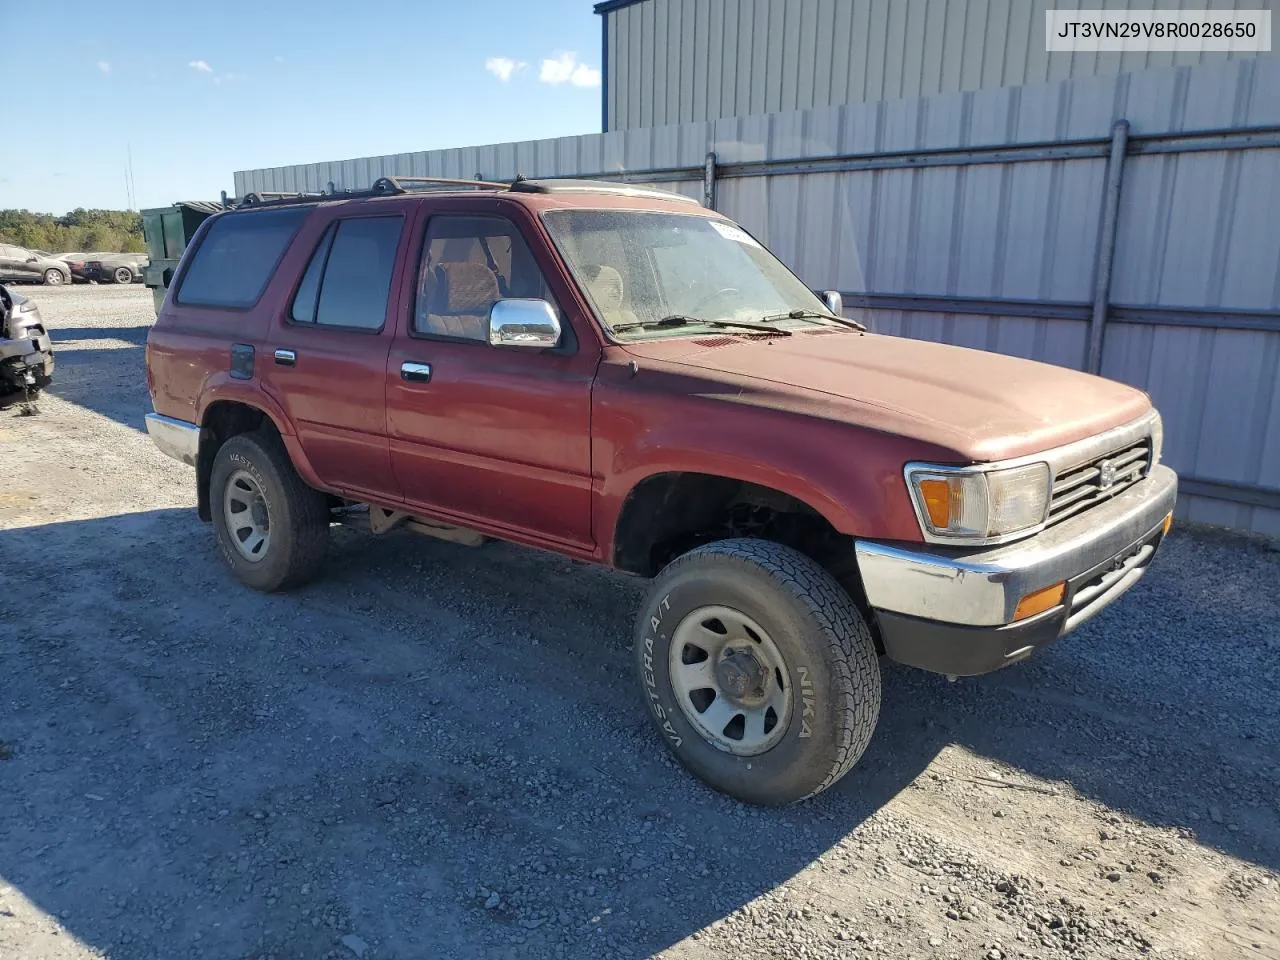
pixel 415 372
pixel 286 358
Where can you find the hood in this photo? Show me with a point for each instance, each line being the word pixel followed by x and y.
pixel 985 406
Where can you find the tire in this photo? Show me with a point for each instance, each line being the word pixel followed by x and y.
pixel 828 683
pixel 297 516
pixel 122 275
pixel 54 277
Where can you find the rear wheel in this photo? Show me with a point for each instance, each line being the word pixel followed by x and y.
pixel 758 670
pixel 53 277
pixel 271 528
pixel 123 275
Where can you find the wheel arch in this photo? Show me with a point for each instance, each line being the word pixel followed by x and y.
pixel 671 512
pixel 224 417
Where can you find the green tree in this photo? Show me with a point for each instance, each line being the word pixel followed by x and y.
pixel 79 229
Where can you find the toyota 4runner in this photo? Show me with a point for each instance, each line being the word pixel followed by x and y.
pixel 621 376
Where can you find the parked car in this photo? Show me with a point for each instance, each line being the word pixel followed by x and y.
pixel 26 354
pixel 621 376
pixel 77 260
pixel 19 263
pixel 116 267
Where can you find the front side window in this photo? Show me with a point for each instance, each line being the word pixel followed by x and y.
pixel 468 264
pixel 237 257
pixel 348 281
pixel 640 268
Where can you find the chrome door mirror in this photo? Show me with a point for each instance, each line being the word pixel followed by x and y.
pixel 531 324
pixel 834 302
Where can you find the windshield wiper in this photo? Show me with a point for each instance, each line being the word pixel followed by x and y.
pixel 814 315
pixel 681 320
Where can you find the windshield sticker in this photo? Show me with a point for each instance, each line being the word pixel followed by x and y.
pixel 730 232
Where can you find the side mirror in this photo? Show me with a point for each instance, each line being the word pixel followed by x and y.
pixel 834 302
pixel 530 324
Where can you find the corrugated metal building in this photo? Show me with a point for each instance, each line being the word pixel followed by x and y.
pixel 675 61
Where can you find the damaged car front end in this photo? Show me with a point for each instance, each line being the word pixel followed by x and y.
pixel 26 354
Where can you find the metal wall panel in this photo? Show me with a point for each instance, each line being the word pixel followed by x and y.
pixel 672 61
pixel 1196 229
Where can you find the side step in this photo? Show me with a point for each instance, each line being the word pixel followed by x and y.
pixel 382 520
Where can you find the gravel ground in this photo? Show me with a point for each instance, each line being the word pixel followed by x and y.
pixel 441 752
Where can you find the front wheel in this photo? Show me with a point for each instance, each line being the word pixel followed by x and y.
pixel 53 278
pixel 272 529
pixel 123 275
pixel 758 670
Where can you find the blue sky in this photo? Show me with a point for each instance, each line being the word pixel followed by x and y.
pixel 200 90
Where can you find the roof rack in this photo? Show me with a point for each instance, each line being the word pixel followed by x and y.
pixel 396 185
pixel 570 185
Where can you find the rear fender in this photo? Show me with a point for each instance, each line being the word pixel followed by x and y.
pixel 223 387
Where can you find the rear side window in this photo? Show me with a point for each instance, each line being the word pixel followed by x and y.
pixel 348 281
pixel 237 257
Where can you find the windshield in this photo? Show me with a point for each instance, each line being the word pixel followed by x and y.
pixel 640 267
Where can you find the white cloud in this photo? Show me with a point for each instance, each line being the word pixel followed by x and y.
pixel 584 76
pixel 200 66
pixel 104 66
pixel 503 67
pixel 565 68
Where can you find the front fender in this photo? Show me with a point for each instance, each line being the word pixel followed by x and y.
pixel 660 422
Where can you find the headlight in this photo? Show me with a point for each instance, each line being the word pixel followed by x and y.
pixel 27 306
pixel 977 505
pixel 1157 439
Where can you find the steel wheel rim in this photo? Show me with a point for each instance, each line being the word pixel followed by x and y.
pixel 247 516
pixel 730 680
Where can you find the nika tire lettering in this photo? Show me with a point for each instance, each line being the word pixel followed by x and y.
pixel 758 670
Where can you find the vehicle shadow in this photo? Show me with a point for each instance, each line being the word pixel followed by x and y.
pixel 102 369
pixel 428 727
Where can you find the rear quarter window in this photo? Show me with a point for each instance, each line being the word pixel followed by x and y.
pixel 237 257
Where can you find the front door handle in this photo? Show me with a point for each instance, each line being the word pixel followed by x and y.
pixel 286 358
pixel 415 372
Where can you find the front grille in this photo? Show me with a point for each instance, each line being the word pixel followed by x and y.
pixel 1086 485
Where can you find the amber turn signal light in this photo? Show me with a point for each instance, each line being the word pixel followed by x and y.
pixel 1040 601
pixel 1168 522
pixel 937 501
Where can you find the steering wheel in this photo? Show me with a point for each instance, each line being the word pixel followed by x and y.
pixel 712 298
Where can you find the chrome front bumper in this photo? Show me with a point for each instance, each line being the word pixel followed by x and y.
pixel 178 438
pixel 952 610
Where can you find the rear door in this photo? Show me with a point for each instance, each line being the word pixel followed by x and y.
pixel 494 435
pixel 328 344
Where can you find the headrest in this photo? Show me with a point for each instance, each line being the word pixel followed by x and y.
pixel 463 287
pixel 606 287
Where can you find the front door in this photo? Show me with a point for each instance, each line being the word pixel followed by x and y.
pixel 495 435
pixel 11 266
pixel 327 350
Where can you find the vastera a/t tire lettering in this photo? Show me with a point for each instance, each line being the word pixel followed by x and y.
pixel 650 681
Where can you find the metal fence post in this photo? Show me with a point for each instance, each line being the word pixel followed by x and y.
pixel 709 182
pixel 1106 244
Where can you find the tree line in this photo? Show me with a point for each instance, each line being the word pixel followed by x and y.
pixel 108 231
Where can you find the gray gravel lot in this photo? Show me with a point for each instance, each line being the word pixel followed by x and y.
pixel 440 752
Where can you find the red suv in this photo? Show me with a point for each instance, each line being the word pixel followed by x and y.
pixel 621 376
